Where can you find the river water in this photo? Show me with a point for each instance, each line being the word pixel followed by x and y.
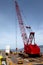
pixel 41 49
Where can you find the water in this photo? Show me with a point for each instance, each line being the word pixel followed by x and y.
pixel 41 49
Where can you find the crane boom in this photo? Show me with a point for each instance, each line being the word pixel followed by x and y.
pixel 21 24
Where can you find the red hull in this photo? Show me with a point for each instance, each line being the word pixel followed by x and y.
pixel 31 49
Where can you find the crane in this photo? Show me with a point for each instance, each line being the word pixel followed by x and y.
pixel 28 47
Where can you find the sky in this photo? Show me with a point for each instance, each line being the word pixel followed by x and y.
pixel 32 14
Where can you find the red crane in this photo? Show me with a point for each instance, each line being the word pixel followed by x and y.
pixel 28 47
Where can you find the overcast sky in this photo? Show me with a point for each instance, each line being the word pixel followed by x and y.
pixel 32 14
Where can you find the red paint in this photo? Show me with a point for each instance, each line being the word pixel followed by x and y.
pixel 31 49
